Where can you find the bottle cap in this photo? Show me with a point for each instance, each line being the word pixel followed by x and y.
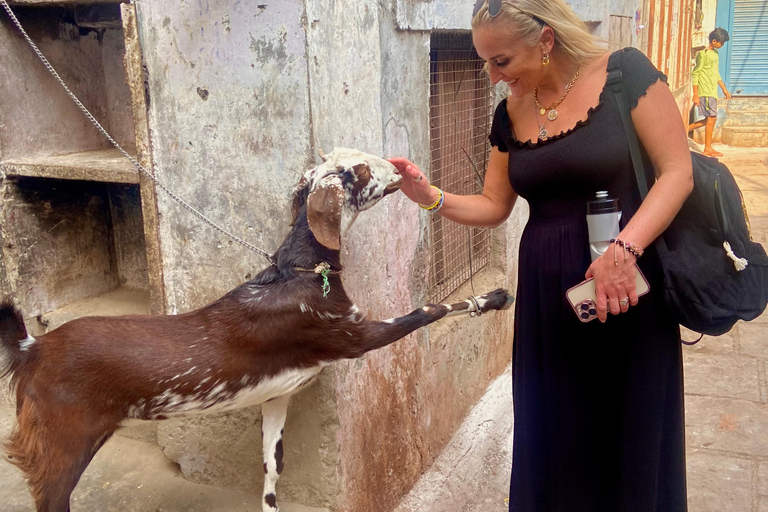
pixel 603 204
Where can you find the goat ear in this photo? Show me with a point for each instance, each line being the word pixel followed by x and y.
pixel 297 200
pixel 324 208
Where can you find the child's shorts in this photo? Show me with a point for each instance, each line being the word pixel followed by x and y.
pixel 707 106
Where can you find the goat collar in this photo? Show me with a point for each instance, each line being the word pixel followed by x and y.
pixel 321 268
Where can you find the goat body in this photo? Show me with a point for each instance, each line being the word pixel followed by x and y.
pixel 259 344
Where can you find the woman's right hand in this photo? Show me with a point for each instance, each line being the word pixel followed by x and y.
pixel 415 185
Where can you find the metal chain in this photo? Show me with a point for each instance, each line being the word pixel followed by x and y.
pixel 141 168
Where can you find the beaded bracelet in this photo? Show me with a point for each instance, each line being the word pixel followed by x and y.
pixel 633 248
pixel 442 200
pixel 437 204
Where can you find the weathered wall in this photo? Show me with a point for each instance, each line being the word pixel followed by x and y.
pixel 398 406
pixel 36 115
pixel 600 12
pixel 240 97
pixel 708 18
pixel 58 244
pixel 231 129
pixel 63 239
pixel 457 14
pixel 230 124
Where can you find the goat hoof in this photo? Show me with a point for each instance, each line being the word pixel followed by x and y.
pixel 497 299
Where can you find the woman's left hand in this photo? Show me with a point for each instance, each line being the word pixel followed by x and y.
pixel 614 281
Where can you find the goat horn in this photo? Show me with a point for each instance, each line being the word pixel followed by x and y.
pixel 322 154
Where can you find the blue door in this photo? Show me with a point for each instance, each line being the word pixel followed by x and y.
pixel 744 63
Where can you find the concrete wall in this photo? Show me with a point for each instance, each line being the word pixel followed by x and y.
pixel 457 14
pixel 241 97
pixel 65 240
pixel 700 37
pixel 230 126
pixel 36 115
pixel 231 129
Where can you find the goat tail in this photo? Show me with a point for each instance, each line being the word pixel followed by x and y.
pixel 14 339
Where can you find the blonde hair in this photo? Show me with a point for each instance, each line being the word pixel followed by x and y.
pixel 526 19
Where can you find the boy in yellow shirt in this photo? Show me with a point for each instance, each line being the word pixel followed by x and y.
pixel 706 78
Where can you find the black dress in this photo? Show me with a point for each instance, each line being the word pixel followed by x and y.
pixel 598 407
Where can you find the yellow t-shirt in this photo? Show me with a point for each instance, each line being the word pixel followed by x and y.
pixel 706 74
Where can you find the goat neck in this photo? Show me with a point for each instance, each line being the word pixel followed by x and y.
pixel 300 249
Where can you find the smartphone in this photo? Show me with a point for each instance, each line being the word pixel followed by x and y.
pixel 583 298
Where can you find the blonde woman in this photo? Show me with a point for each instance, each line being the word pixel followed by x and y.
pixel 598 405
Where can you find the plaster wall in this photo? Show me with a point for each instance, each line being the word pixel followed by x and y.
pixel 230 128
pixel 36 115
pixel 700 37
pixel 240 99
pixel 398 406
pixel 457 14
pixel 59 242
pixel 230 125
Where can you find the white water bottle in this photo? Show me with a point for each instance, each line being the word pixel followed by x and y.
pixel 603 215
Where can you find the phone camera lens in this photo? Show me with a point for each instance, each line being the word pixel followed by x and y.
pixel 592 312
pixel 585 315
pixel 584 307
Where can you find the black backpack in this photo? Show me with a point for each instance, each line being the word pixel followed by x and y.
pixel 714 274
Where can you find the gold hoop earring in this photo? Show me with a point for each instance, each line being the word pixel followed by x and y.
pixel 545 59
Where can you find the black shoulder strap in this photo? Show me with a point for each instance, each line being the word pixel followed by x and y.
pixel 615 85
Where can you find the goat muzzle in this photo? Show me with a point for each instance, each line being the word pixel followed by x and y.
pixel 393 187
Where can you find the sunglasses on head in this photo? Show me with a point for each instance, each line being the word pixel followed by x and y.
pixel 494 7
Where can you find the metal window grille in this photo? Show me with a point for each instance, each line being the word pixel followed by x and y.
pixel 461 111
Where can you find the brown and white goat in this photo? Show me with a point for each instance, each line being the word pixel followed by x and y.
pixel 258 344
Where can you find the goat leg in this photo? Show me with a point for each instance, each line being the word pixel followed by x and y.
pixel 381 334
pixel 53 447
pixel 273 414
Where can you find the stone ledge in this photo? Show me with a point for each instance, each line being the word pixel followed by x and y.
pixel 745 136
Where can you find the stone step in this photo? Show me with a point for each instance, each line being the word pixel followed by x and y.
pixel 472 472
pixel 698 136
pixel 131 476
pixel 744 103
pixel 747 118
pixel 745 136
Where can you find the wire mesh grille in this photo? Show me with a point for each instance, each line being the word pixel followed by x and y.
pixel 461 110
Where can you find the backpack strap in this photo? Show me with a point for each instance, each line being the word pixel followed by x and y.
pixel 615 84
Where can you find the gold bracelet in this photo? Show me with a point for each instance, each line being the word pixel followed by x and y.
pixel 436 203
